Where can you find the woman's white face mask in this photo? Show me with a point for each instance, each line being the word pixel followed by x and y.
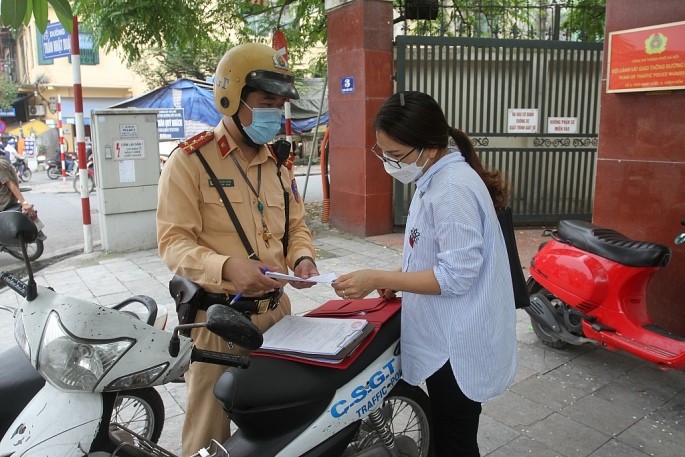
pixel 407 172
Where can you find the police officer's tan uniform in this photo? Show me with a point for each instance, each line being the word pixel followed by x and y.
pixel 196 237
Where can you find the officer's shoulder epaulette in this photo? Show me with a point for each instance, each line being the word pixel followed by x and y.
pixel 191 144
pixel 288 163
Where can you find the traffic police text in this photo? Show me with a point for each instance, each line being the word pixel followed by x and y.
pixel 371 393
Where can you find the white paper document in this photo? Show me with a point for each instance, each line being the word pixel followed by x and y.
pixel 315 336
pixel 325 278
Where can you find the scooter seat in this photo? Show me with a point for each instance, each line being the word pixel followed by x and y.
pixel 612 245
pixel 19 383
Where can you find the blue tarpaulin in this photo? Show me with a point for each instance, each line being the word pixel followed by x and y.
pixel 194 96
pixel 197 100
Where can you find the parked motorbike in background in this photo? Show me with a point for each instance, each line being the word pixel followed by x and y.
pixel 89 354
pixel 589 284
pixel 34 249
pixel 23 170
pixel 91 177
pixel 54 167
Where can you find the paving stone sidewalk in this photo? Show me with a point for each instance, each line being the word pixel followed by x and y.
pixel 580 402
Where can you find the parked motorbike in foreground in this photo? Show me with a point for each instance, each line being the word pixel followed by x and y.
pixel 88 354
pixel 139 410
pixel 34 249
pixel 588 285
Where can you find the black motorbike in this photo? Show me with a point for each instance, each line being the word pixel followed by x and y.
pixel 54 168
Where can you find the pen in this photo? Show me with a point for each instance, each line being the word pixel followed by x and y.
pixel 239 295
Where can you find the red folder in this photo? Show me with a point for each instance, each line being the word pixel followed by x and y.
pixel 375 310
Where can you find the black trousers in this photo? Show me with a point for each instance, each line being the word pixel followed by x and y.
pixel 455 417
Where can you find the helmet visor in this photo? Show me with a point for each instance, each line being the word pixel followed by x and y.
pixel 272 82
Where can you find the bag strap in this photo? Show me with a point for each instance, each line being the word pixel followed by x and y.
pixel 280 150
pixel 229 209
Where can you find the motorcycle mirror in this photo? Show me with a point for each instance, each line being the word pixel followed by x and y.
pixel 17 229
pixel 233 326
pixel 16 226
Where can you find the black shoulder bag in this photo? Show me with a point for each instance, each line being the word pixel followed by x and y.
pixel 506 222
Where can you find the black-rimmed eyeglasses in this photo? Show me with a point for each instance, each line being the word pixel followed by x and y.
pixel 395 163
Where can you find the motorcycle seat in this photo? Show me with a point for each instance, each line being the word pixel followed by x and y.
pixel 612 245
pixel 19 383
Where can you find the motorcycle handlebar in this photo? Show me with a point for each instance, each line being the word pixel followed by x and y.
pixel 219 358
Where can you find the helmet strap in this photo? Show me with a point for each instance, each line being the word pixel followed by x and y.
pixel 248 141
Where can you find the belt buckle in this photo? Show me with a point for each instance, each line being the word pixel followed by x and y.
pixel 263 305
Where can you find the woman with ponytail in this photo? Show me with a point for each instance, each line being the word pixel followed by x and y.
pixel 458 315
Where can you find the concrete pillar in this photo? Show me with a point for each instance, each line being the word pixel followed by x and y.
pixel 360 69
pixel 640 188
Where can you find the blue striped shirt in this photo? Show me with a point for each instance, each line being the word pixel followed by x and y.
pixel 452 228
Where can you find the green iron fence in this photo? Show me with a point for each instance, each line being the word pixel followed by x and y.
pixel 478 82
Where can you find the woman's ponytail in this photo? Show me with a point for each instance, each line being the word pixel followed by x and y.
pixel 493 179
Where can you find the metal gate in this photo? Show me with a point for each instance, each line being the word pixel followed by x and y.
pixel 483 83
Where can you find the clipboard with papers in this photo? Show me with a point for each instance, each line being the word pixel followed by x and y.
pixel 377 312
pixel 316 338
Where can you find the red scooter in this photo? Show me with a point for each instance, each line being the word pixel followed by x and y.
pixel 588 285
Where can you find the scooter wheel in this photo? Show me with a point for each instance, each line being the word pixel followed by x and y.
pixel 545 336
pixel 54 172
pixel 25 175
pixel 140 411
pixel 407 411
pixel 77 183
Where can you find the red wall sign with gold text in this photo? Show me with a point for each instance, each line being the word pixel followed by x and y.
pixel 646 59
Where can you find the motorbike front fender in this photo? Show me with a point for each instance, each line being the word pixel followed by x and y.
pixel 54 423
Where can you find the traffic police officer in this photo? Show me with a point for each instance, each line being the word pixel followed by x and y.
pixel 198 240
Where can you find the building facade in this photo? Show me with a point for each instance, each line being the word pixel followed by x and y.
pixel 42 81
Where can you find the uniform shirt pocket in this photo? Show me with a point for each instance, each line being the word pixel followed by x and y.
pixel 214 214
pixel 275 213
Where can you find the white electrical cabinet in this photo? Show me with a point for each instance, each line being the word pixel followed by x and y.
pixel 126 156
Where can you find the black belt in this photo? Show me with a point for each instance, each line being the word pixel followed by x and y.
pixel 246 305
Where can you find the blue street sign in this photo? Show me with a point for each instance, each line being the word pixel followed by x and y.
pixel 170 124
pixel 56 42
pixel 347 84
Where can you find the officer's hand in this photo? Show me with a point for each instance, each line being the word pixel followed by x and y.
pixel 248 276
pixel 305 269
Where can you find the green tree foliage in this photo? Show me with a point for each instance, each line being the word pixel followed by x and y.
pixel 184 38
pixel 18 13
pixel 8 92
pixel 586 20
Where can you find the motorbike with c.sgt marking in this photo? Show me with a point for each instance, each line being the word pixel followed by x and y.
pixel 88 353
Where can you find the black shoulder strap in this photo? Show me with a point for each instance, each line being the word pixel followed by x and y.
pixel 229 209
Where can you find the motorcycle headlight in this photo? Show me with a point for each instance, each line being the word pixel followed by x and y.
pixel 71 363
pixel 20 334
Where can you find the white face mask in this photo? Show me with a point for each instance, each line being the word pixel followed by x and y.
pixel 407 173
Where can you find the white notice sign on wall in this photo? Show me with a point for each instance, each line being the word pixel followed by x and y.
pixel 522 120
pixel 562 125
